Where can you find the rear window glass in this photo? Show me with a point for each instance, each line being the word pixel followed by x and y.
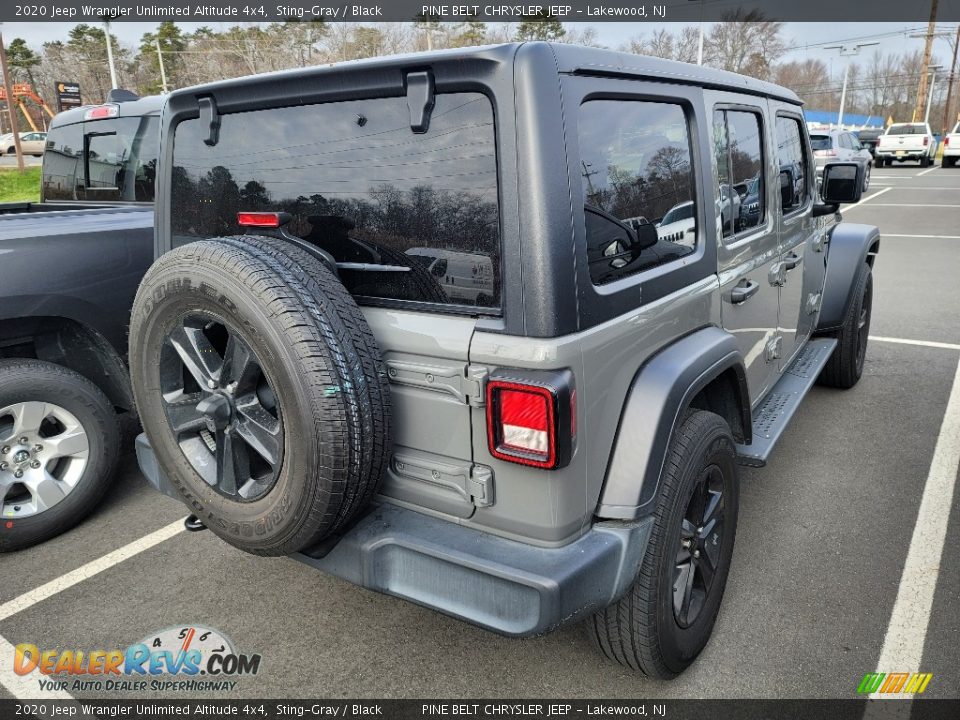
pixel 821 142
pixel 107 160
pixel 907 130
pixel 417 214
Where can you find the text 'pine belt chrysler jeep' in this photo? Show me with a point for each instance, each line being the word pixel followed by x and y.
pixel 491 330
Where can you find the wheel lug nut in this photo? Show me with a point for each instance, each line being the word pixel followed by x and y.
pixel 686 543
pixel 3 466
pixel 5 450
pixel 24 440
pixel 696 553
pixel 18 474
pixel 38 448
pixel 211 384
pixel 35 464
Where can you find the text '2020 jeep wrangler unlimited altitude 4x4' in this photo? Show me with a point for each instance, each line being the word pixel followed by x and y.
pixel 551 431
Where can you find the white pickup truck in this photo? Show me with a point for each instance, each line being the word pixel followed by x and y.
pixel 906 141
pixel 951 148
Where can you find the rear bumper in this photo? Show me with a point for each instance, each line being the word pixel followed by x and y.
pixel 907 154
pixel 503 585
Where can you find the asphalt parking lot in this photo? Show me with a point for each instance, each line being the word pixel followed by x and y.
pixel 812 602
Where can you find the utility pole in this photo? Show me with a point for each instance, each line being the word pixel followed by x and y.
pixel 947 120
pixel 163 72
pixel 932 69
pixel 113 70
pixel 927 51
pixel 8 86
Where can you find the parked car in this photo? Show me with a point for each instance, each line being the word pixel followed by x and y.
pixel 465 277
pixel 906 141
pixel 568 453
pixel 868 138
pixel 71 265
pixel 836 145
pixel 951 148
pixel 31 143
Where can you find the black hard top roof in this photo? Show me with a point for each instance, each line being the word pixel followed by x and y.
pixel 569 59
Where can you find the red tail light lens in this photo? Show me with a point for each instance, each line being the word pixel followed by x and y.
pixel 926 140
pixel 532 423
pixel 946 141
pixel 261 219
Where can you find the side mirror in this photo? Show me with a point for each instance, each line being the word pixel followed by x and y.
pixel 788 190
pixel 842 183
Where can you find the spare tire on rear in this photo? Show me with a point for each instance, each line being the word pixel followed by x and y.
pixel 261 389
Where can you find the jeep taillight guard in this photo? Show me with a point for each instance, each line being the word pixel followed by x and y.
pixel 531 417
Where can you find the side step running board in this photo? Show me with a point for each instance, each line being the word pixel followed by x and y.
pixel 773 415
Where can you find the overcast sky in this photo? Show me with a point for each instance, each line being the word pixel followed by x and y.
pixel 892 37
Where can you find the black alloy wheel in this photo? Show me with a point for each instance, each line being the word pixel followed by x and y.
pixel 221 407
pixel 700 543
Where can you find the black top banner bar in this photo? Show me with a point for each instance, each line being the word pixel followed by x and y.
pixel 590 11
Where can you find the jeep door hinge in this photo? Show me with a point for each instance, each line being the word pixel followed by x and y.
pixel 475 385
pixel 774 348
pixel 820 242
pixel 480 485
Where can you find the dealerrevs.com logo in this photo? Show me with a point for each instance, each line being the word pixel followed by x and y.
pixel 187 658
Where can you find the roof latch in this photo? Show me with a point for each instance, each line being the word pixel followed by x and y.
pixel 210 120
pixel 420 98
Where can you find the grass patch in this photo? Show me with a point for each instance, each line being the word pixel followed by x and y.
pixel 20 187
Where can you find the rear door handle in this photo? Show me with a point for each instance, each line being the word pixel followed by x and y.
pixel 740 293
pixel 790 261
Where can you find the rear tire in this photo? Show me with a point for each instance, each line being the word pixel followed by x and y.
pixel 845 366
pixel 665 619
pixel 75 464
pixel 279 456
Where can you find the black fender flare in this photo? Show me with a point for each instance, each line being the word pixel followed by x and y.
pixel 660 392
pixel 850 245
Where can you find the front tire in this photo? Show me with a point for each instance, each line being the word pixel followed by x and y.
pixel 59 447
pixel 665 619
pixel 866 177
pixel 845 366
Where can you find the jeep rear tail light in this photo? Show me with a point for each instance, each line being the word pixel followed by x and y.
pixel 531 417
pixel 262 219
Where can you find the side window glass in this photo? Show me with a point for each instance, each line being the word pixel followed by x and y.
pixel 793 164
pixel 638 186
pixel 741 192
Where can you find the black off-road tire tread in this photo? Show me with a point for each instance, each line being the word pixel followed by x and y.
pixel 315 280
pixel 107 429
pixel 307 337
pixel 626 631
pixel 840 370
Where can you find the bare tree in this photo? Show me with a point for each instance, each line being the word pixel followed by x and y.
pixel 745 42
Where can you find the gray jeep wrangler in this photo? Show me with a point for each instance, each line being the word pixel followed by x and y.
pixel 492 329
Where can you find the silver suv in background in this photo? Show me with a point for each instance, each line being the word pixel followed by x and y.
pixel 834 145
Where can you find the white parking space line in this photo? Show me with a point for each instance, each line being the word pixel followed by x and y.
pixel 913 205
pixel 869 197
pixel 23 687
pixel 935 237
pixel 907 631
pixel 920 343
pixel 84 572
pixel 930 170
